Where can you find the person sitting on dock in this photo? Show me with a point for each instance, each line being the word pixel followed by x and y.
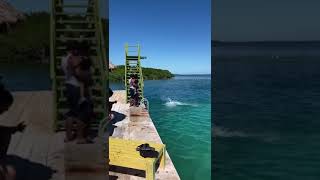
pixel 69 65
pixel 7 171
pixel 131 86
pixel 5 131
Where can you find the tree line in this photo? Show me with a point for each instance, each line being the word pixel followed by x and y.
pixel 118 74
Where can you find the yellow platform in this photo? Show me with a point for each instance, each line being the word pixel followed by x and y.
pixel 123 153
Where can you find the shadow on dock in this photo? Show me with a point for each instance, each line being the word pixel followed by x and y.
pixel 111 177
pixel 28 170
pixel 117 118
pixel 128 171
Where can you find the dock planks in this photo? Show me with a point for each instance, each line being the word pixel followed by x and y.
pixel 138 128
pixel 34 147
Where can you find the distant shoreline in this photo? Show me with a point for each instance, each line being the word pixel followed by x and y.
pixel 192 74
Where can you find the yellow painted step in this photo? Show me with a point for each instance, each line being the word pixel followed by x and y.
pixel 123 153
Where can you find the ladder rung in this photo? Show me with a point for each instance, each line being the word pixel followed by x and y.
pixel 136 57
pixel 95 69
pixel 74 6
pixel 75 39
pixel 64 110
pixel 91 57
pixel 74 14
pixel 63 77
pixel 75 22
pixel 65 47
pixel 93 87
pixel 93 98
pixel 75 30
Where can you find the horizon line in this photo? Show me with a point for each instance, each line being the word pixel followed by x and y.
pixel 227 41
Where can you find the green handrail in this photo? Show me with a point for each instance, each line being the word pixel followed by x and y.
pixel 125 71
pixel 52 60
pixel 139 70
pixel 101 57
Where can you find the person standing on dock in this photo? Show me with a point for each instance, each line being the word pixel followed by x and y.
pixel 136 92
pixel 131 88
pixel 69 64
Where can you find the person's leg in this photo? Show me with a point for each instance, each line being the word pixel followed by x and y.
pixel 11 173
pixel 69 125
pixel 7 172
pixel 80 132
pixel 5 142
pixel 82 93
pixel 73 96
pixel 131 92
pixel 131 97
pixel 136 99
pixel 85 116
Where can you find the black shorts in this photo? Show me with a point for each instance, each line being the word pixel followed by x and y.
pixel 131 91
pixel 82 112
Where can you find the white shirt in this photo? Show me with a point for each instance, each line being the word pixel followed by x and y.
pixel 131 83
pixel 70 79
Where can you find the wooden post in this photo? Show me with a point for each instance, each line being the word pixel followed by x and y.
pixel 150 171
pixel 107 156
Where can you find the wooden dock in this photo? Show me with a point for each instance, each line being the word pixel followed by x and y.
pixel 40 152
pixel 127 125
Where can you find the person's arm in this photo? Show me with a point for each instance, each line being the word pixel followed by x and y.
pixel 7 130
pixel 11 130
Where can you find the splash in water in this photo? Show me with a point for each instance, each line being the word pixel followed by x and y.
pixel 173 103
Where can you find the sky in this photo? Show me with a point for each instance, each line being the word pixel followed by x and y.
pixel 174 34
pixel 261 20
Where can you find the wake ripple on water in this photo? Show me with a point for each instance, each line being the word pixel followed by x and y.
pixel 218 131
pixel 223 132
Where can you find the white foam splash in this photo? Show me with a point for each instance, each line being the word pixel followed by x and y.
pixel 173 103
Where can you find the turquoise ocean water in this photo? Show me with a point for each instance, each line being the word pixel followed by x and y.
pixel 266 112
pixel 180 109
